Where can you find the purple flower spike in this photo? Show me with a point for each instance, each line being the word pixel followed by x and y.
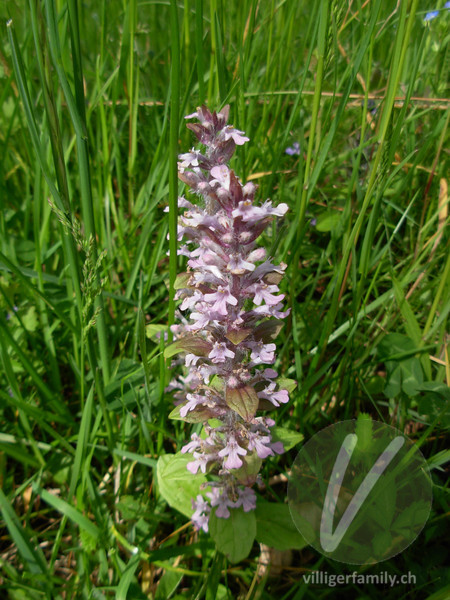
pixel 230 292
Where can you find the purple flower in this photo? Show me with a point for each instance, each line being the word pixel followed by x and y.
pixel 190 159
pixel 277 447
pixel 200 462
pixel 248 212
pixel 221 175
pixel 193 401
pixel 262 353
pixel 247 499
pixel 192 445
pixel 273 396
pixel 258 442
pixel 200 504
pixel 220 299
pixel 264 292
pixel 200 521
pixel 270 374
pixel 238 266
pixel 192 300
pixel 220 353
pixel 201 510
pixel 271 310
pixel 201 321
pixel 191 359
pixel 221 500
pixel 237 136
pixel 232 451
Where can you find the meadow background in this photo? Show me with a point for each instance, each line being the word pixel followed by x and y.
pixel 92 100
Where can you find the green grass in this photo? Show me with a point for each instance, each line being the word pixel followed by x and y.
pixel 93 96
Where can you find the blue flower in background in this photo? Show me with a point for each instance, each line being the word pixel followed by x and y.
pixel 294 149
pixel 431 15
pixel 435 13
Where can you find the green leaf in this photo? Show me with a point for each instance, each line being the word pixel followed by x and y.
pixel 242 400
pixel 268 331
pixel 18 452
pixel 328 221
pixel 434 402
pixel 213 586
pixel 439 389
pixel 181 281
pixel 394 384
pixel 69 511
pixel 168 584
pixel 395 346
pixel 237 336
pixel 128 376
pixel 30 552
pixel 286 384
pixel 406 375
pixel 411 324
pixel 30 320
pixel 143 460
pixel 383 508
pixel 275 527
pixel 411 518
pixel 412 376
pixel 288 437
pixel 175 413
pixel 441 458
pixel 126 578
pixel 189 343
pixel 234 536
pixel 249 470
pixel 364 429
pixel 177 485
pixel 26 250
pixel 442 594
pixel 88 543
pixel 381 542
pixel 216 382
pixel 199 414
pixel 154 331
pixel 404 370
